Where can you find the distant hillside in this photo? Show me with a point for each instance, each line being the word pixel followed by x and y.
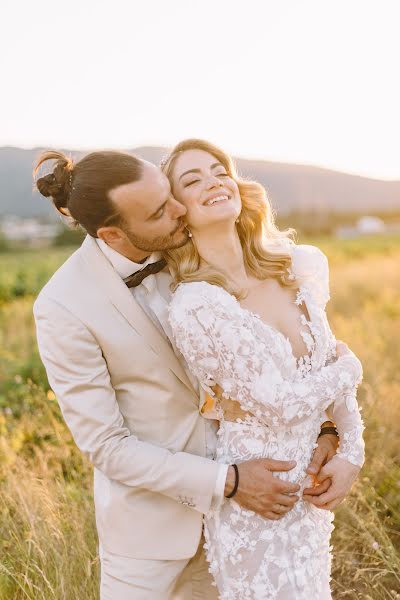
pixel 290 187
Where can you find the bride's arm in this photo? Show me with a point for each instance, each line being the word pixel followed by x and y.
pixel 337 476
pixel 347 416
pixel 222 346
pixel 311 263
pixel 341 470
pixel 350 427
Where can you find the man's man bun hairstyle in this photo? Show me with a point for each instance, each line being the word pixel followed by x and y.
pixel 56 185
pixel 81 189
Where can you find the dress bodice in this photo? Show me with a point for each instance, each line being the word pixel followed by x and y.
pixel 252 362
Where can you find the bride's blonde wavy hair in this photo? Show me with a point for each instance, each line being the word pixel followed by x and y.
pixel 256 229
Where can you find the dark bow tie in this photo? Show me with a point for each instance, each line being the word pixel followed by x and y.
pixel 150 269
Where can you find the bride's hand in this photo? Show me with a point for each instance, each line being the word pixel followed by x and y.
pixel 342 474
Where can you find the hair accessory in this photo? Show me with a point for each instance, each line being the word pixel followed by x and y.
pixel 164 161
pixel 166 158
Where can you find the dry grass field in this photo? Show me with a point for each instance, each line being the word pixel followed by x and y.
pixel 47 531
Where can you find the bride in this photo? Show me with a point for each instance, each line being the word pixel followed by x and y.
pixel 248 315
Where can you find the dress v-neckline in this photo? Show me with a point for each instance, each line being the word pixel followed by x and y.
pixel 307 356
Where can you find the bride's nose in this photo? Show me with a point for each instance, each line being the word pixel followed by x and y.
pixel 213 182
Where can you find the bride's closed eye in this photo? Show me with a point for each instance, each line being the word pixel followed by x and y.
pixel 190 182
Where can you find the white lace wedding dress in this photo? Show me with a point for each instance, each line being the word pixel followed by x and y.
pixel 252 558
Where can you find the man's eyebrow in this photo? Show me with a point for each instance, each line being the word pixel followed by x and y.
pixel 217 164
pixel 158 209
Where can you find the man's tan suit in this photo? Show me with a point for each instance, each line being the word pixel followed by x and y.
pixel 131 409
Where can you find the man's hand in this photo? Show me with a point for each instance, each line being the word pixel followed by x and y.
pixel 340 474
pixel 260 490
pixel 325 451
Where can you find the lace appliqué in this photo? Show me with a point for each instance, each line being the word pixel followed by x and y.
pixel 252 558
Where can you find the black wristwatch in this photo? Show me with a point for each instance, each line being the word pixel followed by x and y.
pixel 328 431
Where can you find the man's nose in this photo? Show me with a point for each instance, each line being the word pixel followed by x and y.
pixel 178 209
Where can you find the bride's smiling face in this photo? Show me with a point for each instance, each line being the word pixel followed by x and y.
pixel 205 188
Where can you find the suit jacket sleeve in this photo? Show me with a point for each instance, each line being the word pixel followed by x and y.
pixel 78 374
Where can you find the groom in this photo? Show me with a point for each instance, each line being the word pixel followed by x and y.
pixel 126 396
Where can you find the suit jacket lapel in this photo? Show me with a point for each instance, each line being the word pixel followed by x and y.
pixel 111 284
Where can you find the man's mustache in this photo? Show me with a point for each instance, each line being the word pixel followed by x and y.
pixel 180 223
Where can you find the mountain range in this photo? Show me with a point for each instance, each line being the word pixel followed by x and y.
pixel 290 187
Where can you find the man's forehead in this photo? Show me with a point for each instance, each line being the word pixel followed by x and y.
pixel 152 176
pixel 152 179
pixel 143 195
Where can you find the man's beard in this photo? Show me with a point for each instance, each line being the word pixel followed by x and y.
pixel 166 242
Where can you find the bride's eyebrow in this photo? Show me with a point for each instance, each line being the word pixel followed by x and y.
pixel 190 171
pixel 217 164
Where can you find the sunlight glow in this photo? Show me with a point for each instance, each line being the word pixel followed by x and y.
pixel 307 81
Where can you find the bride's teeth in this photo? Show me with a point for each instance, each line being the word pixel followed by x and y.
pixel 214 200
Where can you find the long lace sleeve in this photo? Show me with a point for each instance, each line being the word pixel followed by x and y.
pixel 350 426
pixel 224 345
pixel 311 265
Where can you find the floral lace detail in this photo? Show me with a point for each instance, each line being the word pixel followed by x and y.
pixel 226 345
pixel 252 558
pixel 350 427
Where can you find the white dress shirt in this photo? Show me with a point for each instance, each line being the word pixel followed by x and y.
pixel 153 295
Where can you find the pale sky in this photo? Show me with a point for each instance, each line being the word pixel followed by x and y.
pixel 306 81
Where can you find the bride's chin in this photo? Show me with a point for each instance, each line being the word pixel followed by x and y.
pixel 222 220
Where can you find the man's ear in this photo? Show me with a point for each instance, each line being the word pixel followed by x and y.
pixel 111 235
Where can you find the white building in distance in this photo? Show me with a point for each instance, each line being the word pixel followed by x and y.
pixel 28 232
